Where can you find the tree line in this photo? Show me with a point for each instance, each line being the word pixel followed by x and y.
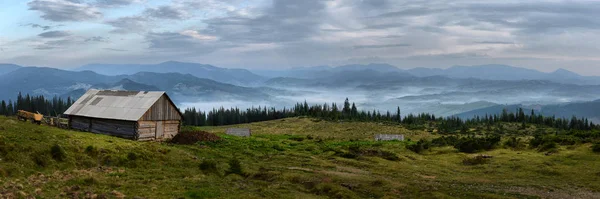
pixel 328 111
pixel 39 104
pixel 349 112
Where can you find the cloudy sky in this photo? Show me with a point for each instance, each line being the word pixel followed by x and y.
pixel 543 35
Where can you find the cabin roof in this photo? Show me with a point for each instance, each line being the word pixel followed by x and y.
pixel 117 105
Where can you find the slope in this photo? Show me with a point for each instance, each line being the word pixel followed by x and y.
pixel 287 163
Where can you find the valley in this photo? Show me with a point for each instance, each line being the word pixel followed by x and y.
pixel 383 87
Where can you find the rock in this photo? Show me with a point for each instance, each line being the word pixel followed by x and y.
pixel 117 194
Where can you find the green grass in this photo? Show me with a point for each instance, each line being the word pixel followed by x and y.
pixel 291 158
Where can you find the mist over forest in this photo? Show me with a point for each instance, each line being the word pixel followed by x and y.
pixel 458 90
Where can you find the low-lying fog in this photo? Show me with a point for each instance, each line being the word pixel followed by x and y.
pixel 436 100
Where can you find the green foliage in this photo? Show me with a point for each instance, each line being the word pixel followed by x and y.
pixel 41 159
pixel 596 147
pixel 474 144
pixel 91 151
pixel 58 153
pixel 235 167
pixel 419 146
pixel 477 160
pixel 514 143
pixel 548 146
pixel 209 166
pixel 132 156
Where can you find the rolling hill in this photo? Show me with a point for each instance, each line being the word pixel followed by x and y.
pixel 290 158
pixel 225 75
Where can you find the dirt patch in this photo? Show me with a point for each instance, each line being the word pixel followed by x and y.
pixel 193 137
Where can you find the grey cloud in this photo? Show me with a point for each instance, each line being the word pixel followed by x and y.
pixel 381 46
pixel 172 41
pixel 96 39
pixel 494 42
pixel 129 24
pixel 539 17
pixel 283 21
pixel 55 44
pixel 114 49
pixel 55 34
pixel 116 2
pixel 445 56
pixel 166 12
pixel 33 25
pixel 385 25
pixel 63 10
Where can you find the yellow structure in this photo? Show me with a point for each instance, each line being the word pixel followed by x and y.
pixel 34 117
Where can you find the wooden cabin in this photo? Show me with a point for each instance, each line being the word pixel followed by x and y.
pixel 136 115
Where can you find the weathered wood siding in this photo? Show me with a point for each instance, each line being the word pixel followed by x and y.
pixel 146 130
pixel 149 130
pixel 118 128
pixel 162 110
pixel 125 129
pixel 171 128
pixel 80 123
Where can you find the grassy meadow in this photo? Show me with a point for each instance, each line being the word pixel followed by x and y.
pixel 288 158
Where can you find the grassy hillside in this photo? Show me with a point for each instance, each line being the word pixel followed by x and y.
pixel 291 158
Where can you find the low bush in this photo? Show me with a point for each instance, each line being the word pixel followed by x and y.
pixel 514 143
pixel 477 160
pixel 548 146
pixel 209 166
pixel 235 167
pixel 91 151
pixel 58 153
pixel 596 147
pixel 419 146
pixel 474 144
pixel 41 159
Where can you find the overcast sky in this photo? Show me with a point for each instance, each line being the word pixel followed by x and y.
pixel 543 35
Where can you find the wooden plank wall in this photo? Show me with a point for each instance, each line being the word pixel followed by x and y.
pixel 147 129
pixel 80 123
pixel 124 129
pixel 171 128
pixel 118 128
pixel 162 110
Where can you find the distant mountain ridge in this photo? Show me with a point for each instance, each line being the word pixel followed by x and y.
pixel 7 68
pixel 225 75
pixel 485 72
pixel 505 72
pixel 579 109
pixel 55 82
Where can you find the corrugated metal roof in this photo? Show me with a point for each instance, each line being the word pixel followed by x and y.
pixel 118 105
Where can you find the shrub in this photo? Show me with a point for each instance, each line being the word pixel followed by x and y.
pixel 477 160
pixel 596 147
pixel 91 151
pixel 209 166
pixel 475 144
pixel 514 143
pixel 41 159
pixel 58 153
pixel 420 146
pixel 132 156
pixel 235 167
pixel 547 146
